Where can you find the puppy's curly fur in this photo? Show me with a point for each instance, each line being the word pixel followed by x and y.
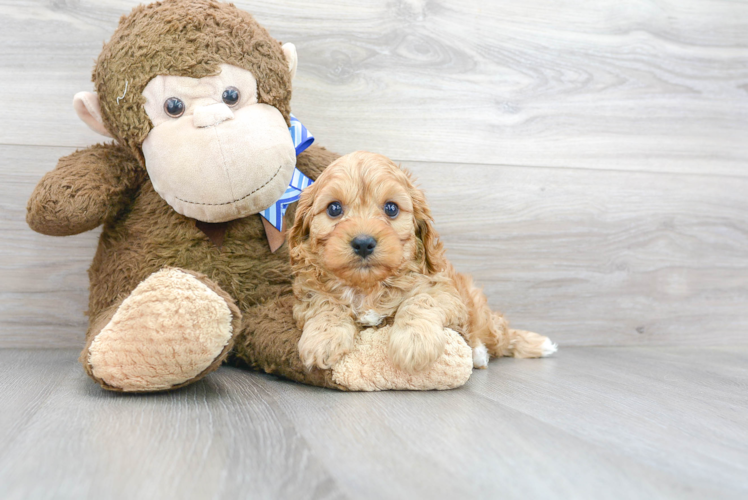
pixel 403 278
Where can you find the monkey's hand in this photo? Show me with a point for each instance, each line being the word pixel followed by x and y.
pixel 86 187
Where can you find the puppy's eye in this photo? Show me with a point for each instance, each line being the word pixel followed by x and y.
pixel 391 209
pixel 231 96
pixel 334 209
pixel 174 107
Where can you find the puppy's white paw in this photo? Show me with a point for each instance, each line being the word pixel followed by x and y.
pixel 480 356
pixel 371 318
pixel 548 348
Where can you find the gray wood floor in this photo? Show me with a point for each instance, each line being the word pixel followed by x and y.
pixel 621 422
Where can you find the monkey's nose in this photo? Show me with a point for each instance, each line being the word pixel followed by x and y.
pixel 363 245
pixel 212 114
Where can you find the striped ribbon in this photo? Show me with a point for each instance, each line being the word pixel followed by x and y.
pixel 302 139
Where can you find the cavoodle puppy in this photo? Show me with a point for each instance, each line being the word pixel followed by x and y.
pixel 365 253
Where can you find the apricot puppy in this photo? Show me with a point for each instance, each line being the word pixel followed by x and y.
pixel 364 252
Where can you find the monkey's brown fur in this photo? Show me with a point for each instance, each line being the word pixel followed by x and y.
pixel 108 184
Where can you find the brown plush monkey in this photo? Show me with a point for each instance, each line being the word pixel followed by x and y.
pixel 196 95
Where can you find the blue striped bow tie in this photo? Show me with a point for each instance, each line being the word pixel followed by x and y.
pixel 302 139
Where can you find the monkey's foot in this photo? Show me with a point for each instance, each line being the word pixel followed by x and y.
pixel 173 329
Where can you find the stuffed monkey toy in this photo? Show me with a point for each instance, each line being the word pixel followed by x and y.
pixel 195 194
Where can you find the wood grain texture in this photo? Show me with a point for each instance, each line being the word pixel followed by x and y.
pixel 27 380
pixel 600 258
pixel 656 86
pixel 586 257
pixel 220 438
pixel 596 238
pixel 607 423
pixel 662 398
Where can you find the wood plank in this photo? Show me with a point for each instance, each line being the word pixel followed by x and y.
pixel 587 257
pixel 600 258
pixel 609 423
pixel 687 408
pixel 654 87
pixel 219 438
pixel 453 445
pixel 28 378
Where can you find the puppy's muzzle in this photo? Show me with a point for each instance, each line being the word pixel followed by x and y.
pixel 363 245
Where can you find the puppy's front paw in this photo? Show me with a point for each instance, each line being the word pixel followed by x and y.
pixel 415 346
pixel 325 346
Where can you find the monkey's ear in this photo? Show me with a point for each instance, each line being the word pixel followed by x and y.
pixel 289 50
pixel 87 106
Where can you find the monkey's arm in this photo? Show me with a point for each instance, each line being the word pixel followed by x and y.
pixel 84 189
pixel 314 160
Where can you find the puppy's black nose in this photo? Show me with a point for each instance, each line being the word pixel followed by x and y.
pixel 363 245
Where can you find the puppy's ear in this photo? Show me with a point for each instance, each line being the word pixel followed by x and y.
pixel 429 251
pixel 299 232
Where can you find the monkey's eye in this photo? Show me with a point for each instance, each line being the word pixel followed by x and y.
pixel 391 209
pixel 174 107
pixel 231 96
pixel 334 209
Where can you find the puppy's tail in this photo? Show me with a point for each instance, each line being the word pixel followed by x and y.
pixel 519 343
pixel 524 344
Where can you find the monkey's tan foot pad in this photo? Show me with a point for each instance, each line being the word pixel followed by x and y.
pixel 367 368
pixel 172 329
